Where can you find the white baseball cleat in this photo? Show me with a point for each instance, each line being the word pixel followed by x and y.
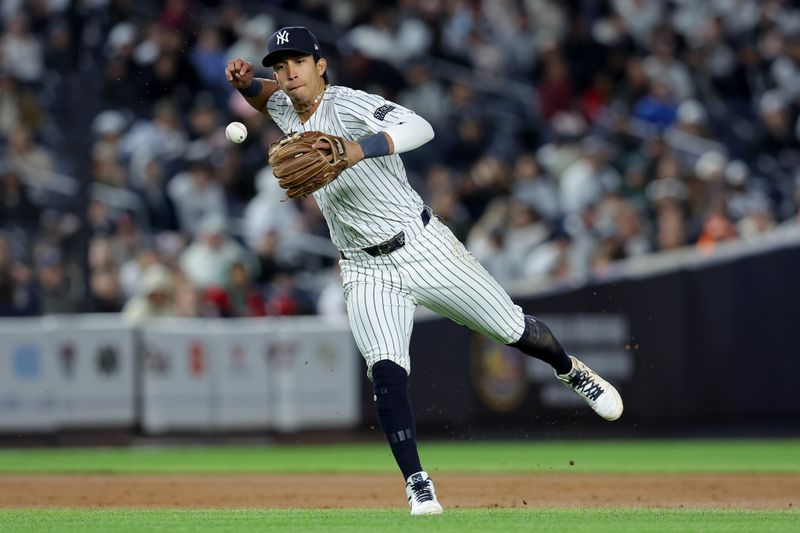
pixel 422 495
pixel 597 392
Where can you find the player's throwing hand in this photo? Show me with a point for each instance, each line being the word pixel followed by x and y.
pixel 239 73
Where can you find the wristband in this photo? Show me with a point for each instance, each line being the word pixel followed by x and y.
pixel 253 90
pixel 375 145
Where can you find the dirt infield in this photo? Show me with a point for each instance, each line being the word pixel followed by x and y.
pixel 768 491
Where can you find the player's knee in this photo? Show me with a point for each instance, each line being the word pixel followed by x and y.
pixel 537 335
pixel 513 331
pixel 389 384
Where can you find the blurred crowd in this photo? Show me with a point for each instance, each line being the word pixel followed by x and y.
pixel 569 135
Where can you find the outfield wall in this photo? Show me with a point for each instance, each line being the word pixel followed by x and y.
pixel 96 371
pixel 693 340
pixel 688 339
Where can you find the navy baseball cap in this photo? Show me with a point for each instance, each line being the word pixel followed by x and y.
pixel 290 39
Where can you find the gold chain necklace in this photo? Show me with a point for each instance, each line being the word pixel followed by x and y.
pixel 312 104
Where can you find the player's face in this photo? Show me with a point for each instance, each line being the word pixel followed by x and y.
pixel 300 77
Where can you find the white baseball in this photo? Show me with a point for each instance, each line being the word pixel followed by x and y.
pixel 236 132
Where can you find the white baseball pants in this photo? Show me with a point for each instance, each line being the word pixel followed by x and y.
pixel 433 269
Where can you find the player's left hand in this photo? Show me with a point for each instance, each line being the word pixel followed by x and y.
pixel 305 162
pixel 352 151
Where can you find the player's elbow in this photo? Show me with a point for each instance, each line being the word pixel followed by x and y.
pixel 423 129
pixel 410 134
pixel 426 131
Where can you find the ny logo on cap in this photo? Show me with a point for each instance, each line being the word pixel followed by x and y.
pixel 283 37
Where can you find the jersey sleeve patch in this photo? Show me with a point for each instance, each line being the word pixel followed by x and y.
pixel 382 111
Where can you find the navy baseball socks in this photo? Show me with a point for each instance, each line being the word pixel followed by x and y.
pixel 390 385
pixel 538 341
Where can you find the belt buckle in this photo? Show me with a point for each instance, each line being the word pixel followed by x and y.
pixel 398 241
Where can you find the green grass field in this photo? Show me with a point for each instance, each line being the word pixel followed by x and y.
pixel 702 456
pixel 371 520
pixel 470 457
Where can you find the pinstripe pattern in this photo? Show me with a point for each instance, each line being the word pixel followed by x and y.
pixel 371 203
pixel 380 310
pixel 434 270
pixel 448 280
pixel 368 202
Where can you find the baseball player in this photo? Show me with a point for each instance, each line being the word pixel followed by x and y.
pixel 395 254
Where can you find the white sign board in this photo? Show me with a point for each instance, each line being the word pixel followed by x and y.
pixel 28 373
pixel 178 356
pixel 285 374
pixel 314 368
pixel 241 378
pixel 96 372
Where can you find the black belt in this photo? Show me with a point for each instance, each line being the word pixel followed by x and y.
pixel 396 242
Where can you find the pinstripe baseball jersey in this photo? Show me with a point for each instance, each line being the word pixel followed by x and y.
pixel 371 203
pixel 368 202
